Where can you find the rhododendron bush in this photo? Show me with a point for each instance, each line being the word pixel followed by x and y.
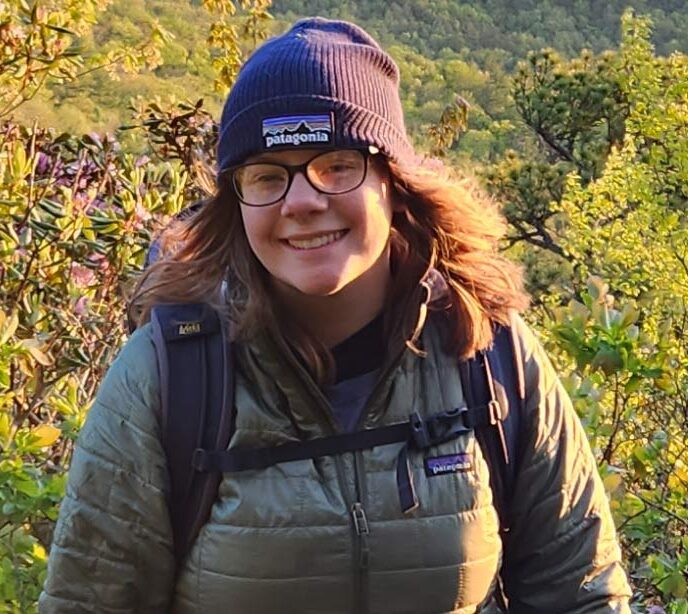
pixel 76 217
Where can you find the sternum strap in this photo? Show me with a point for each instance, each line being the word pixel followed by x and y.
pixel 417 434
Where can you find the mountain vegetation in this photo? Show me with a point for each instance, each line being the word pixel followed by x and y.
pixel 444 48
pixel 574 115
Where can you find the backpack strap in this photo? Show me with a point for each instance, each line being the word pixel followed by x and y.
pixel 196 408
pixel 198 417
pixel 495 378
pixel 490 386
pixel 418 433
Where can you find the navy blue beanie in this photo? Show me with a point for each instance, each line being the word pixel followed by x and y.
pixel 322 84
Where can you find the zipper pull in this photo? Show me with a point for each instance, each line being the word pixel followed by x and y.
pixel 360 519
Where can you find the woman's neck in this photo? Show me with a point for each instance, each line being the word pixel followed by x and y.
pixel 333 318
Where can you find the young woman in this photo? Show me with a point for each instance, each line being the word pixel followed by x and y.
pixel 355 282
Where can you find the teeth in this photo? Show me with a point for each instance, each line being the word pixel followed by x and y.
pixel 316 241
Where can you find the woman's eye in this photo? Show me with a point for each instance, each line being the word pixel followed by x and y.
pixel 266 178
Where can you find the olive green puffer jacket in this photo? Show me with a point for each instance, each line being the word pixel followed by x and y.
pixel 284 539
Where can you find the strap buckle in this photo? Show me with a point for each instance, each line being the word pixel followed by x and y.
pixel 419 431
pixel 438 428
pixel 200 460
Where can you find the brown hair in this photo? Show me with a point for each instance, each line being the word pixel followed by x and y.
pixel 445 225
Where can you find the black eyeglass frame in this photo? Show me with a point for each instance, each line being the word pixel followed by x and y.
pixel 302 168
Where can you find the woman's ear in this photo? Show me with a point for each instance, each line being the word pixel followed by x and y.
pixel 387 189
pixel 390 192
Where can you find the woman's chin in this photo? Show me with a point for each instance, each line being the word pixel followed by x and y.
pixel 315 287
pixel 319 289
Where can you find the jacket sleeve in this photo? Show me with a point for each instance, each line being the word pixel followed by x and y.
pixel 562 554
pixel 112 547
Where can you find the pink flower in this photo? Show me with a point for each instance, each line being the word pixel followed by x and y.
pixel 81 276
pixel 81 306
pixel 142 214
pixel 100 261
pixel 80 201
pixel 43 164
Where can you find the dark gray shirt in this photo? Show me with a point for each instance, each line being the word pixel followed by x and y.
pixel 358 360
pixel 348 398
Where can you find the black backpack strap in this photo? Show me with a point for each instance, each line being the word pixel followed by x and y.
pixel 416 434
pixel 197 394
pixel 506 382
pixel 495 378
pixel 197 399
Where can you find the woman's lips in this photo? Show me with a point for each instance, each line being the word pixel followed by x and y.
pixel 316 241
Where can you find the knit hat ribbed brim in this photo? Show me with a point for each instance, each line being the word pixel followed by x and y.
pixel 322 84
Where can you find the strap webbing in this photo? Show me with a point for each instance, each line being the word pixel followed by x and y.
pixel 505 372
pixel 196 383
pixel 246 459
pixel 198 415
pixel 414 434
pixel 418 433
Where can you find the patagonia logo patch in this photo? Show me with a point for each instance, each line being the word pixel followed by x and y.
pixel 452 463
pixel 297 130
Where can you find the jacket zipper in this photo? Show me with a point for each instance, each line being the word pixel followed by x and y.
pixel 359 518
pixel 354 504
pixel 358 513
pixel 361 553
pixel 361 544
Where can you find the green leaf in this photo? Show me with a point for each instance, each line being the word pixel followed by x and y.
pixel 5 429
pixel 19 161
pixel 629 315
pixel 674 585
pixel 681 608
pixel 44 435
pixel 633 384
pixel 28 487
pixel 597 287
pixel 608 359
pixel 666 383
pixel 60 29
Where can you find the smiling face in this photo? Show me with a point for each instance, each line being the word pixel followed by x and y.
pixel 316 244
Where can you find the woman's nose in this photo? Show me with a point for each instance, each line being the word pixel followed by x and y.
pixel 302 198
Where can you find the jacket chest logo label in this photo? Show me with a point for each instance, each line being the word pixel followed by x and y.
pixel 452 463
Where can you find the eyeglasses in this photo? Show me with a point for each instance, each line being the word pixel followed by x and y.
pixel 259 184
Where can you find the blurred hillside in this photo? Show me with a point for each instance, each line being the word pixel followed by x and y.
pixel 443 47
